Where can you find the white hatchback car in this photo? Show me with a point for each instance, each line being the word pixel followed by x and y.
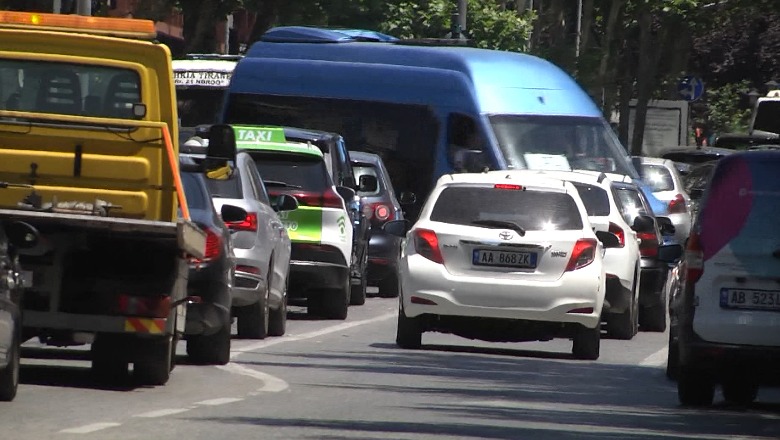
pixel 502 257
pixel 622 263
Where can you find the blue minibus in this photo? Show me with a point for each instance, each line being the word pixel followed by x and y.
pixel 426 109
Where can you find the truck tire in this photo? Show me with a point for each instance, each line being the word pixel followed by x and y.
pixel 9 376
pixel 253 319
pixel 154 367
pixel 210 349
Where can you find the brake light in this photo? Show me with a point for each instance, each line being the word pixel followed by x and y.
pixel 427 244
pixel 694 259
pixel 147 306
pixel 583 254
pixel 507 186
pixel 382 212
pixel 213 247
pixel 677 205
pixel 648 245
pixel 247 224
pixel 619 233
pixel 325 199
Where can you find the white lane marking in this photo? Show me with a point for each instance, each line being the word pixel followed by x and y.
pixel 162 412
pixel 314 334
pixel 656 359
pixel 86 429
pixel 271 384
pixel 221 401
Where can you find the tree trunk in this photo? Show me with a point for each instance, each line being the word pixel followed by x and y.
pixel 607 73
pixel 267 14
pixel 644 78
pixel 200 25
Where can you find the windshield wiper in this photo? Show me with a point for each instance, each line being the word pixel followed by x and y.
pixel 279 183
pixel 500 224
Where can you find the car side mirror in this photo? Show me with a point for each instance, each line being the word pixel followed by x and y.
pixel 399 228
pixel 346 193
pixel 232 213
pixel 670 253
pixel 665 225
pixel 368 183
pixel 643 223
pixel 285 202
pixel 22 235
pixel 407 198
pixel 608 239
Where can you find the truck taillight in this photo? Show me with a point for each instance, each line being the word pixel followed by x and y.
pixel 382 212
pixel 583 254
pixel 249 223
pixel 427 244
pixel 694 259
pixel 146 306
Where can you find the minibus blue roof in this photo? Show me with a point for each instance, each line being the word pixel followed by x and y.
pixel 500 82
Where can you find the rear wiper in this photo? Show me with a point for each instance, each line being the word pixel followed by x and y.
pixel 501 224
pixel 278 183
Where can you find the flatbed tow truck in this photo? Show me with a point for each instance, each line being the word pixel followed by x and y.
pixel 89 165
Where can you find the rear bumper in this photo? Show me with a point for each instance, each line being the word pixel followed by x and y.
pixel 309 275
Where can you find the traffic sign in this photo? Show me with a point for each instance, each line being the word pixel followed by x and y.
pixel 690 88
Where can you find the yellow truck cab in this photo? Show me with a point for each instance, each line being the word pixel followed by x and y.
pixel 89 162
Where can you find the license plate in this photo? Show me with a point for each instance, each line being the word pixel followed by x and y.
pixel 750 299
pixel 484 257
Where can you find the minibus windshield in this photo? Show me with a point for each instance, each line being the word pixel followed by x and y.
pixel 560 142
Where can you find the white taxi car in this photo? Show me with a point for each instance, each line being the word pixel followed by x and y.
pixel 502 257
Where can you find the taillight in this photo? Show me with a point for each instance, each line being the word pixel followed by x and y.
pixel 382 212
pixel 427 244
pixel 677 205
pixel 247 224
pixel 648 244
pixel 147 306
pixel 583 254
pixel 694 259
pixel 213 247
pixel 326 199
pixel 619 233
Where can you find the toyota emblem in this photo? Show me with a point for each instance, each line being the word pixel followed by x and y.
pixel 505 235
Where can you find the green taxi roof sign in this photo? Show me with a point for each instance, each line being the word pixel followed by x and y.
pixel 248 135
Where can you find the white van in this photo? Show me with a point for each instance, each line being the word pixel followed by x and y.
pixel 728 317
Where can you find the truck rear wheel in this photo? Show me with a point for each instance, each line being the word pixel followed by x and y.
pixel 108 364
pixel 154 367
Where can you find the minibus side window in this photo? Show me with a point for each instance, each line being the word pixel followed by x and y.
pixel 465 145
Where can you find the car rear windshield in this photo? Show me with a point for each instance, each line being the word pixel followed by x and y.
pixel 298 171
pixel 364 169
pixel 630 203
pixel 657 177
pixel 595 199
pixel 532 210
pixel 226 189
pixel 193 190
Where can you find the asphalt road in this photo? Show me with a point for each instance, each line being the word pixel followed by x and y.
pixel 332 380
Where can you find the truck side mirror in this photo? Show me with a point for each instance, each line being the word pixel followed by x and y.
pixel 221 148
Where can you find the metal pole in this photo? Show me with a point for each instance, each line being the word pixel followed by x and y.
pixel 84 7
pixel 579 29
pixel 462 9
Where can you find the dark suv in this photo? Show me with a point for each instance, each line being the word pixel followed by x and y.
pixel 337 160
pixel 380 205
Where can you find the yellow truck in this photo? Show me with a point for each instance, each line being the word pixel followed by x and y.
pixel 89 164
